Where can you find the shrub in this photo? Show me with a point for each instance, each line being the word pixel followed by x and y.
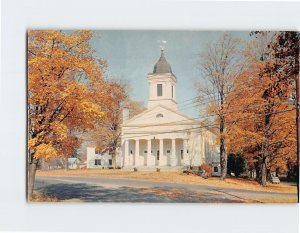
pixel 158 169
pixel 236 164
pixel 207 168
pixel 135 169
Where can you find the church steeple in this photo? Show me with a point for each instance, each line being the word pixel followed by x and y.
pixel 162 66
pixel 162 84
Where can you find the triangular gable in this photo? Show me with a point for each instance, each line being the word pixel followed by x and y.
pixel 149 117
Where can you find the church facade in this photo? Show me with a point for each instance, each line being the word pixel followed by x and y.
pixel 161 136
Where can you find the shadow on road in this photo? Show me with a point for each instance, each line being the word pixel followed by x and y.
pixel 95 193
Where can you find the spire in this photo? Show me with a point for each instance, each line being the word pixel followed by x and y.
pixel 162 66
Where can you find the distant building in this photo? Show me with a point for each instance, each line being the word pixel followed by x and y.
pixel 73 163
pixel 163 137
pixel 98 160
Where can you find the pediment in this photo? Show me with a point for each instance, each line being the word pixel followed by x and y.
pixel 159 114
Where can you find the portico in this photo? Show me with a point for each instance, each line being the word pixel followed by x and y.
pixel 155 152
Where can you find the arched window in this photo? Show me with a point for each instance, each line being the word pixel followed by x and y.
pixel 159 115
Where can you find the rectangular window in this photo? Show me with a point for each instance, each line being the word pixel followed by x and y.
pixel 215 169
pixel 181 154
pixel 159 90
pixel 97 161
pixel 110 162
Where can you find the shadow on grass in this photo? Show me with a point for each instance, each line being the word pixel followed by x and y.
pixel 95 193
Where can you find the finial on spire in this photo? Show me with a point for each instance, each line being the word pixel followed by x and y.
pixel 162 66
pixel 162 44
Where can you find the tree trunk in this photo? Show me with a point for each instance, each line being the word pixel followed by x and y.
pixel 66 164
pixel 268 174
pixel 277 172
pixel 223 161
pixel 223 157
pixel 265 147
pixel 263 180
pixel 257 171
pixel 114 162
pixel 32 166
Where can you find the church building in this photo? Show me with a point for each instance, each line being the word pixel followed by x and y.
pixel 161 136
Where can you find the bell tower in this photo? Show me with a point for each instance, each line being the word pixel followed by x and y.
pixel 162 84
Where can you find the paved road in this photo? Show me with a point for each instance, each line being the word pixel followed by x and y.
pixel 106 189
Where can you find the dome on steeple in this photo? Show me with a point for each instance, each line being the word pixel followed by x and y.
pixel 162 66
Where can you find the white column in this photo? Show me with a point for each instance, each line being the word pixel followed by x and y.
pixel 161 161
pixel 203 147
pixel 150 157
pixel 173 159
pixel 186 161
pixel 126 153
pixel 137 152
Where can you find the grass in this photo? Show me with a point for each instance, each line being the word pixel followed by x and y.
pixel 277 200
pixel 40 197
pixel 174 177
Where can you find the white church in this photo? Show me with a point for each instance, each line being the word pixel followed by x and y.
pixel 161 136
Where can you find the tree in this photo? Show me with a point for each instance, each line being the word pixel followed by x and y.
pixel 236 164
pixel 220 65
pixel 65 92
pixel 263 128
pixel 106 136
pixel 134 107
pixel 283 70
pixel 263 131
pixel 107 131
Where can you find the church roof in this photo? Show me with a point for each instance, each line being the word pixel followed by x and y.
pixel 162 66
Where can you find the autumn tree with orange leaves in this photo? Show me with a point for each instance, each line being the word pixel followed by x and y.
pixel 107 134
pixel 65 94
pixel 263 125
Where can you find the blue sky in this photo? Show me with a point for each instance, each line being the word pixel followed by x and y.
pixel 131 55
